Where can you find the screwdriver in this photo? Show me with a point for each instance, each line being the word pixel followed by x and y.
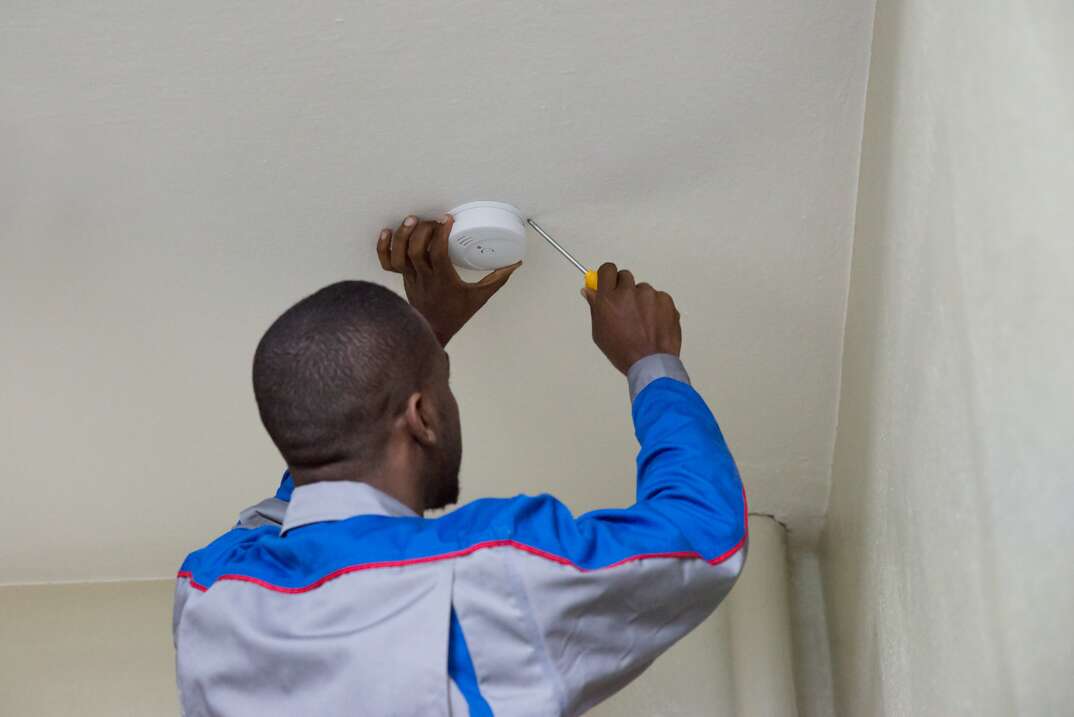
pixel 589 274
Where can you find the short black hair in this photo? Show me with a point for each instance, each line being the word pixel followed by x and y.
pixel 333 369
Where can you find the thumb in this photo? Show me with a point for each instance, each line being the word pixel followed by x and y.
pixel 589 295
pixel 499 277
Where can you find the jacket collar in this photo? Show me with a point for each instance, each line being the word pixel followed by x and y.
pixel 338 500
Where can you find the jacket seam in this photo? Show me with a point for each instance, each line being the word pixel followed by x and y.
pixel 682 554
pixel 550 667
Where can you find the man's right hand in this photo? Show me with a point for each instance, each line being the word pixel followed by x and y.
pixel 631 321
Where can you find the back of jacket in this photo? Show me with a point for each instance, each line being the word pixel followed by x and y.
pixel 335 599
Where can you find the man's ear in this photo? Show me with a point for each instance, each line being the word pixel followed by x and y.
pixel 421 420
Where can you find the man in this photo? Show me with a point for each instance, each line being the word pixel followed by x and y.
pixel 336 597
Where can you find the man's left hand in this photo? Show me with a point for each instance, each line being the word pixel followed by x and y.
pixel 418 250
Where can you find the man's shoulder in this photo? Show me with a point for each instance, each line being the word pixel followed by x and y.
pixel 495 516
pixel 312 554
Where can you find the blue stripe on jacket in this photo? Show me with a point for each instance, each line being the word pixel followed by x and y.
pixel 690 503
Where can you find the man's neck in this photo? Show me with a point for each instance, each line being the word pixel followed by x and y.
pixel 391 482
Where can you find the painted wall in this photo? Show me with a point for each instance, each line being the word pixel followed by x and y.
pixel 105 649
pixel 947 553
pixel 88 649
pixel 174 177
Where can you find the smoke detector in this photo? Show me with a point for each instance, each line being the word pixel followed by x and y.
pixel 486 236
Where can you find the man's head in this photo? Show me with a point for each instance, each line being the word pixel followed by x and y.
pixel 352 384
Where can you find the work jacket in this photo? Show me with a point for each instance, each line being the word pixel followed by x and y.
pixel 335 599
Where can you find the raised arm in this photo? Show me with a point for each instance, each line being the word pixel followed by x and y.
pixel 601 595
pixel 684 467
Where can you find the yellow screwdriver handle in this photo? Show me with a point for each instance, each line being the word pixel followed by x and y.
pixel 591 280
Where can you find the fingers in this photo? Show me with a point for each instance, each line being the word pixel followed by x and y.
pixel 439 258
pixel 400 242
pixel 409 249
pixel 607 277
pixel 499 277
pixel 384 243
pixel 417 251
pixel 664 300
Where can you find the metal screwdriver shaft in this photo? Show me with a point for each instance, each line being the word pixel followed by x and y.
pixel 590 276
pixel 567 255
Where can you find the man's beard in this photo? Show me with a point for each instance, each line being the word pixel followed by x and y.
pixel 441 484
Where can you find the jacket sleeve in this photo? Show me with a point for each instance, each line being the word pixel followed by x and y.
pixel 610 590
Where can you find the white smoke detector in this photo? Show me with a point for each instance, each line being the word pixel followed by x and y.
pixel 486 235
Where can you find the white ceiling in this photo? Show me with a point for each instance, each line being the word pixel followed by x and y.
pixel 173 178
